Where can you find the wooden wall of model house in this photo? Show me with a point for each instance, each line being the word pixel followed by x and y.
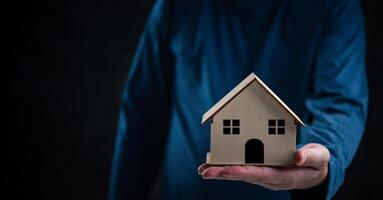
pixel 253 107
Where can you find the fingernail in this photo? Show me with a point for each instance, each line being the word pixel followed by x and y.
pixel 200 170
pixel 206 177
pixel 304 156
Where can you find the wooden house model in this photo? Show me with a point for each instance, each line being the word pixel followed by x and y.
pixel 251 125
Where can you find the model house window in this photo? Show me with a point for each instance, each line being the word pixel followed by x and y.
pixel 276 126
pixel 231 126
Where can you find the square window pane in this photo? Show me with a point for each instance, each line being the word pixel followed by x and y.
pixel 226 130
pixel 281 130
pixel 235 130
pixel 226 122
pixel 271 130
pixel 272 122
pixel 235 122
pixel 281 122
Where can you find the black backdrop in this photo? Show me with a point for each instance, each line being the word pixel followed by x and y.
pixel 66 64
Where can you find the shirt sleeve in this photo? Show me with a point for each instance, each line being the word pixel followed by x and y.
pixel 337 105
pixel 144 112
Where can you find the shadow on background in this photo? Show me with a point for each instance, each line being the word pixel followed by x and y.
pixel 67 65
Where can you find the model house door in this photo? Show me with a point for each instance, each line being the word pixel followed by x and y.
pixel 254 151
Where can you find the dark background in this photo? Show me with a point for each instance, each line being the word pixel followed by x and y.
pixel 66 65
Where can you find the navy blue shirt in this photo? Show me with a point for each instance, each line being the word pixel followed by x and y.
pixel 191 53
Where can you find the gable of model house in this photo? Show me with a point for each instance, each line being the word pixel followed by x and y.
pixel 261 91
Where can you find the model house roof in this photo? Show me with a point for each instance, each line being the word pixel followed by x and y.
pixel 238 89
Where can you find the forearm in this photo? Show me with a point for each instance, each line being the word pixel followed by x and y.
pixel 138 155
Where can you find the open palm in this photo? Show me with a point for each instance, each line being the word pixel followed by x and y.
pixel 310 169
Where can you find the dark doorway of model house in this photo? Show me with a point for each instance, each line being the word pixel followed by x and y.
pixel 254 151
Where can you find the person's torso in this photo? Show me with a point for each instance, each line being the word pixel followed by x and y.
pixel 216 44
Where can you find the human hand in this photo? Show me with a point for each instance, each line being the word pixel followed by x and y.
pixel 310 169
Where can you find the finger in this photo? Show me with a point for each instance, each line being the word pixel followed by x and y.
pixel 202 168
pixel 300 157
pixel 274 178
pixel 311 145
pixel 249 174
pixel 254 174
pixel 284 178
pixel 213 172
pixel 316 156
pixel 242 173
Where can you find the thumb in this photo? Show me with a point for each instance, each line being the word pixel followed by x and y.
pixel 313 155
